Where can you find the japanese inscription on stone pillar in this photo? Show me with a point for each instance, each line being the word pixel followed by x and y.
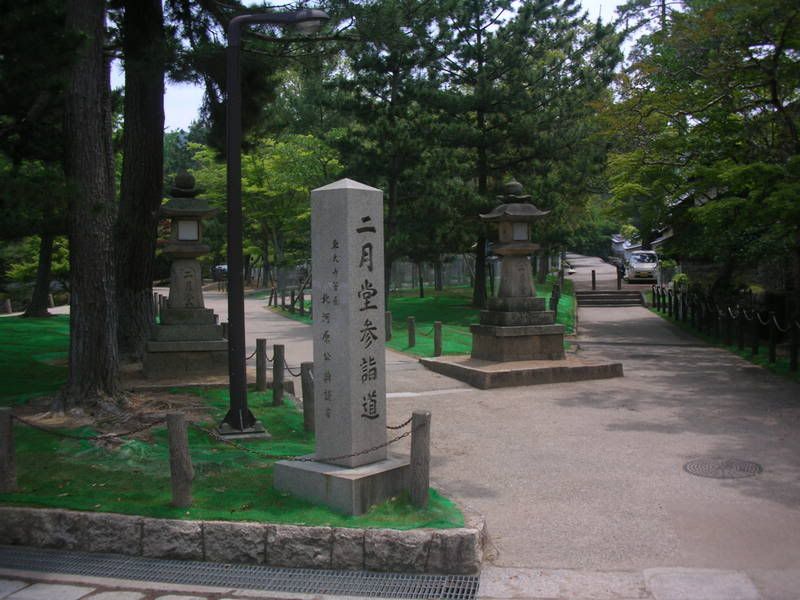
pixel 348 299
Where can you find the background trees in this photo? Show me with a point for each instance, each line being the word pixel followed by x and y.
pixel 707 137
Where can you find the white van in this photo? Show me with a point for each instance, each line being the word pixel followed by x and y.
pixel 642 266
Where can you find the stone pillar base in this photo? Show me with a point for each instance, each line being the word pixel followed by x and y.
pixel 351 491
pixel 525 342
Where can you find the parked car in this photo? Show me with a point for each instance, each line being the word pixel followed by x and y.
pixel 219 272
pixel 642 266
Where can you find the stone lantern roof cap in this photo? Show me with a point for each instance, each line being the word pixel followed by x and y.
pixel 517 206
pixel 183 202
pixel 516 211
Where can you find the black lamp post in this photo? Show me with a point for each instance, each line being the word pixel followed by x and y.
pixel 239 418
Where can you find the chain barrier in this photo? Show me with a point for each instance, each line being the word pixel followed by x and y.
pixel 403 424
pixel 252 355
pixel 778 325
pixel 100 436
pixel 760 320
pixel 292 373
pixel 217 437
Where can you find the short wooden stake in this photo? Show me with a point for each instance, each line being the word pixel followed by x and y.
pixel 773 338
pixel 594 280
pixel 180 462
pixel 302 303
pixel 412 332
pixel 278 358
pixel 437 338
pixel 420 457
pixel 755 332
pixel 261 364
pixel 291 301
pixel 8 463
pixel 225 329
pixel 619 280
pixel 388 319
pixel 307 385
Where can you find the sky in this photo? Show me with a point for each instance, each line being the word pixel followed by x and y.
pixel 182 101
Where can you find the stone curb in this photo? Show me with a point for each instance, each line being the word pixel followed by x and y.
pixel 448 551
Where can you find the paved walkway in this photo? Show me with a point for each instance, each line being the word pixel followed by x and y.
pixel 582 484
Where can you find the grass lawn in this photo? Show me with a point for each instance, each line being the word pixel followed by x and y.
pixel 133 477
pixel 452 307
pixel 33 357
pixel 779 367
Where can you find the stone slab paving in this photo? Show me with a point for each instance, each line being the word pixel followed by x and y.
pixel 49 591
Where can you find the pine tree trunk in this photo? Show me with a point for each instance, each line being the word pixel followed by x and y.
pixel 41 291
pixel 141 190
pixel 89 167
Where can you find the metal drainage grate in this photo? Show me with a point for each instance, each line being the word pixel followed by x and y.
pixel 722 468
pixel 255 577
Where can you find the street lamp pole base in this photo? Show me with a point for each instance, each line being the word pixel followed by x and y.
pixel 245 426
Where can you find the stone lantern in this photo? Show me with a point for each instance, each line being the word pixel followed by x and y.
pixel 188 338
pixel 516 326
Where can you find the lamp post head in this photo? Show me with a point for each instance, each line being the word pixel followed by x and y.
pixel 308 21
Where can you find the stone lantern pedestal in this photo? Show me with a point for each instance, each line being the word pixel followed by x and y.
pixel 188 339
pixel 516 325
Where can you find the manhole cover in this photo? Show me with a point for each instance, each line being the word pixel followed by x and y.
pixel 722 468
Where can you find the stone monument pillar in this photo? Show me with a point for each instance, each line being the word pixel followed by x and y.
pixel 188 338
pixel 349 356
pixel 516 326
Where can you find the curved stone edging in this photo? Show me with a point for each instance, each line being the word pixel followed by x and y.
pixel 448 551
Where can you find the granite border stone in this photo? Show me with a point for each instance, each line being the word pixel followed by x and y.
pixel 447 551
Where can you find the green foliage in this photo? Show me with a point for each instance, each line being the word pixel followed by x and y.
pixel 705 133
pixel 277 176
pixel 22 259
pixel 680 280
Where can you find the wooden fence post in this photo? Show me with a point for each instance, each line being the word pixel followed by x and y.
pixel 307 385
pixel 8 463
pixel 773 338
pixel 412 332
pixel 261 364
pixel 291 301
pixel 594 280
pixel 302 303
pixel 180 462
pixel 388 320
pixel 740 329
pixel 420 457
pixel 437 338
pixel 754 334
pixel 225 329
pixel 278 353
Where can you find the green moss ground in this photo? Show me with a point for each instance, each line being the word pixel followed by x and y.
pixel 452 307
pixel 230 484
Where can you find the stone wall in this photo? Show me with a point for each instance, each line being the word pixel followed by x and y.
pixel 447 551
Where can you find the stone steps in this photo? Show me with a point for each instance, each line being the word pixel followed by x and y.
pixel 608 298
